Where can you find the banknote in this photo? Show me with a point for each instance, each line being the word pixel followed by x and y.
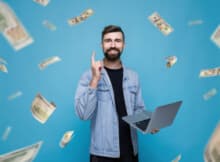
pixel 177 159
pixel 3 68
pixel 212 149
pixel 195 22
pixel 42 2
pixel 66 138
pixel 210 72
pixel 15 95
pixel 2 61
pixel 18 37
pixel 6 18
pixel 170 61
pixel 49 25
pixel 75 20
pixel 12 28
pixel 49 61
pixel 6 133
pixel 160 23
pixel 25 154
pixel 215 37
pixel 42 109
pixel 210 94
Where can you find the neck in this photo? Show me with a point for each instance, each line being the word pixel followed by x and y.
pixel 112 64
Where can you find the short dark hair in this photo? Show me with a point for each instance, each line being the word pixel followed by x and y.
pixel 112 28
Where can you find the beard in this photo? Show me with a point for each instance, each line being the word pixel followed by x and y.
pixel 112 57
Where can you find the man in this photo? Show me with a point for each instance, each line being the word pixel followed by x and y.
pixel 106 93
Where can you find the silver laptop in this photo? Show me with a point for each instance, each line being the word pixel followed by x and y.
pixel 162 117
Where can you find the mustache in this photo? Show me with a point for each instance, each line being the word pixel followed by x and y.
pixel 113 49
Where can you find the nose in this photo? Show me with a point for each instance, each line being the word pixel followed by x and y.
pixel 113 44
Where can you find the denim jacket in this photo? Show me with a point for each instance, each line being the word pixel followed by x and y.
pixel 98 105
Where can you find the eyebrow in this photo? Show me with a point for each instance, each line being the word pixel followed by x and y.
pixel 110 40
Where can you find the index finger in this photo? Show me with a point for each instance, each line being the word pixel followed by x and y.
pixel 93 57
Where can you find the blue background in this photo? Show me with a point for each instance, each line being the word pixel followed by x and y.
pixel 145 52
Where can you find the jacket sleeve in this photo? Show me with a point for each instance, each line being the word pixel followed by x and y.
pixel 85 98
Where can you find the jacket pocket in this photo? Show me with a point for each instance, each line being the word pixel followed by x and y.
pixel 103 93
pixel 132 90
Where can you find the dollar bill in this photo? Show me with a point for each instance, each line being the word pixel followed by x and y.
pixel 14 31
pixel 195 22
pixel 6 133
pixel 210 94
pixel 2 61
pixel 212 149
pixel 42 109
pixel 210 72
pixel 75 20
pixel 18 37
pixel 6 18
pixel 170 61
pixel 177 159
pixel 25 154
pixel 160 23
pixel 15 95
pixel 48 62
pixel 42 2
pixel 49 25
pixel 3 68
pixel 66 138
pixel 215 37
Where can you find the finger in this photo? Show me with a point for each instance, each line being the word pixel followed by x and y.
pixel 153 131
pixel 101 65
pixel 93 58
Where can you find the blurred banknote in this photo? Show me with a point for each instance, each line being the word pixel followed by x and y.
pixel 177 159
pixel 160 23
pixel 212 149
pixel 210 94
pixel 75 20
pixel 13 29
pixel 210 72
pixel 195 22
pixel 6 18
pixel 66 138
pixel 49 25
pixel 3 68
pixel 48 61
pixel 170 61
pixel 15 95
pixel 42 109
pixel 215 37
pixel 25 154
pixel 6 133
pixel 17 36
pixel 42 2
pixel 2 61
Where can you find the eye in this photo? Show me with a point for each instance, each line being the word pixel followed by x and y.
pixel 107 40
pixel 118 40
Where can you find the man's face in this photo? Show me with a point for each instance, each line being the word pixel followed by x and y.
pixel 113 45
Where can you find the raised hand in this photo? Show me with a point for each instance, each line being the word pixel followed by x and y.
pixel 96 67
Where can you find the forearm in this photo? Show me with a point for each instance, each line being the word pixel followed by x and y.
pixel 86 103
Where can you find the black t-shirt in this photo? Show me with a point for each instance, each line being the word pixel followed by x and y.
pixel 116 77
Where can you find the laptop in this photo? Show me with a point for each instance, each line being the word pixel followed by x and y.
pixel 146 121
